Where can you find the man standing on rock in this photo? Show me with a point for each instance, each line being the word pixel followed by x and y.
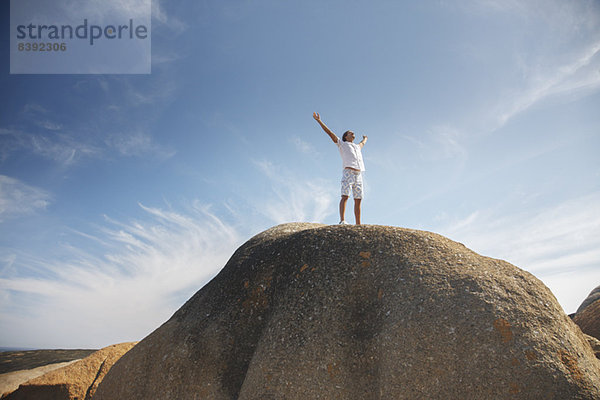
pixel 353 166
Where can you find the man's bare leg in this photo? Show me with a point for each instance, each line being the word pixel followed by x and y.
pixel 343 201
pixel 357 210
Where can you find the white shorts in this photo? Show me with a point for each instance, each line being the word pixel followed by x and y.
pixel 352 181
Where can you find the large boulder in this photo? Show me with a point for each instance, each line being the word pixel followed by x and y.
pixel 77 381
pixel 307 311
pixel 591 298
pixel 589 319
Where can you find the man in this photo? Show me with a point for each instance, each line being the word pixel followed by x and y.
pixel 352 168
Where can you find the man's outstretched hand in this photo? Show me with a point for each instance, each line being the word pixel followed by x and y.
pixel 317 118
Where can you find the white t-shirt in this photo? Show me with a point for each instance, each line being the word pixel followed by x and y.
pixel 351 155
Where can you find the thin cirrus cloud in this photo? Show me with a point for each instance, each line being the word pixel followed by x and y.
pixel 303 146
pixel 66 150
pixel 160 16
pixel 18 198
pixel 138 144
pixel 139 274
pixel 564 63
pixel 63 149
pixel 551 243
pixel 59 147
pixel 578 75
pixel 45 138
pixel 535 241
pixel 102 11
pixel 294 198
pixel 60 144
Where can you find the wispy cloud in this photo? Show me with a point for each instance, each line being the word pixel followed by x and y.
pixel 59 147
pixel 66 145
pixel 164 19
pixel 104 11
pixel 49 125
pixel 140 272
pixel 62 149
pixel 292 198
pixel 580 74
pixel 18 198
pixel 439 143
pixel 445 142
pixel 40 117
pixel 431 163
pixel 565 16
pixel 129 95
pixel 303 146
pixel 138 144
pixel 553 54
pixel 550 243
pixel 42 135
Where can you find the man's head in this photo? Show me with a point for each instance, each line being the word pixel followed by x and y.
pixel 348 136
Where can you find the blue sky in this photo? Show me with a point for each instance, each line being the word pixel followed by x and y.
pixel 122 195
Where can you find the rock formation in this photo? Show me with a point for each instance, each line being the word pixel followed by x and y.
pixel 591 298
pixel 77 381
pixel 589 319
pixel 307 311
pixel 10 381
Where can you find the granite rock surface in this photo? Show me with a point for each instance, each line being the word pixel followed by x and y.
pixel 589 319
pixel 308 311
pixel 591 298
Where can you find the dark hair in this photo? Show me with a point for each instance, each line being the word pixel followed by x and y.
pixel 344 136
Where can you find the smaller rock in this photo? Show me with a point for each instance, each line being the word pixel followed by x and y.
pixel 10 381
pixel 77 381
pixel 591 298
pixel 589 319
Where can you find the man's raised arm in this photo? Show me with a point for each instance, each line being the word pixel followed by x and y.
pixel 363 141
pixel 332 135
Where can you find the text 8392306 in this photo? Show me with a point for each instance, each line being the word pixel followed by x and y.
pixel 44 46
